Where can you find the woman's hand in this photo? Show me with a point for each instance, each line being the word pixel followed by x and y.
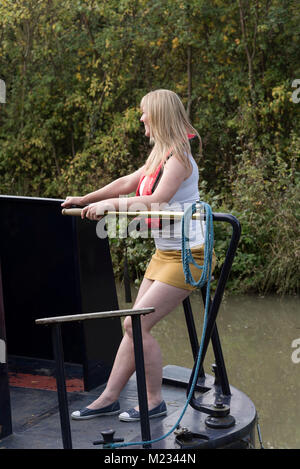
pixel 72 201
pixel 96 210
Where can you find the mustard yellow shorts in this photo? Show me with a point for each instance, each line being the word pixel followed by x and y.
pixel 166 266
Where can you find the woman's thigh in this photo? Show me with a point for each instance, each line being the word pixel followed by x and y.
pixel 163 297
pixel 144 287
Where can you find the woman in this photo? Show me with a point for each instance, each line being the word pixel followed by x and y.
pixel 171 168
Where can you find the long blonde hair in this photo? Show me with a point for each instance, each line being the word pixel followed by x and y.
pixel 169 128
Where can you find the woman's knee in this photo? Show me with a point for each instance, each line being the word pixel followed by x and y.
pixel 127 325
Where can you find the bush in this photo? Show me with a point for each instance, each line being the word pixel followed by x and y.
pixel 265 199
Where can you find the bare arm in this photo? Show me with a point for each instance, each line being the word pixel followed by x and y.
pixel 122 186
pixel 173 176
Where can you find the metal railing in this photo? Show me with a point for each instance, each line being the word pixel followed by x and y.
pixel 55 324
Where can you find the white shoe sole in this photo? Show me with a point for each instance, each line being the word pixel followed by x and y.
pixel 87 417
pixel 124 418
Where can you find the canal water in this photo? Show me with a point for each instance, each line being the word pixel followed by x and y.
pixel 261 351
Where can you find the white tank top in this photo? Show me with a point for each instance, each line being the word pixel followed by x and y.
pixel 169 237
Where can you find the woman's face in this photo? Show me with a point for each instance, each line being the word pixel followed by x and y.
pixel 145 121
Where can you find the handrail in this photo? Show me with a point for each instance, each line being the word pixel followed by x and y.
pixel 135 213
pixel 100 315
pixel 215 302
pixel 55 325
pixel 155 213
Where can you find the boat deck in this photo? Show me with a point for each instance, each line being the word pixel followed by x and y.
pixel 36 419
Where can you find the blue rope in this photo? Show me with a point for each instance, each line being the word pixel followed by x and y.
pixel 186 253
pixel 187 258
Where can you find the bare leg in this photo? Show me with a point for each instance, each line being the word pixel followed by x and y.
pixel 164 298
pixel 124 364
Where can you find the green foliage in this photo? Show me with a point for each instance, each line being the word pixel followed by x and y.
pixel 266 193
pixel 75 72
pixel 108 156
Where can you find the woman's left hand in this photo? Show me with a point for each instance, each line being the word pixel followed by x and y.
pixel 95 211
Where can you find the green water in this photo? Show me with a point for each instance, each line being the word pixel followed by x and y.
pixel 256 336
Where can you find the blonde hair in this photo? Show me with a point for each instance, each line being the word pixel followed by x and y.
pixel 169 128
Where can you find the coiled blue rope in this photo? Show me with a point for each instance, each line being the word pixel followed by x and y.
pixel 186 253
pixel 187 259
